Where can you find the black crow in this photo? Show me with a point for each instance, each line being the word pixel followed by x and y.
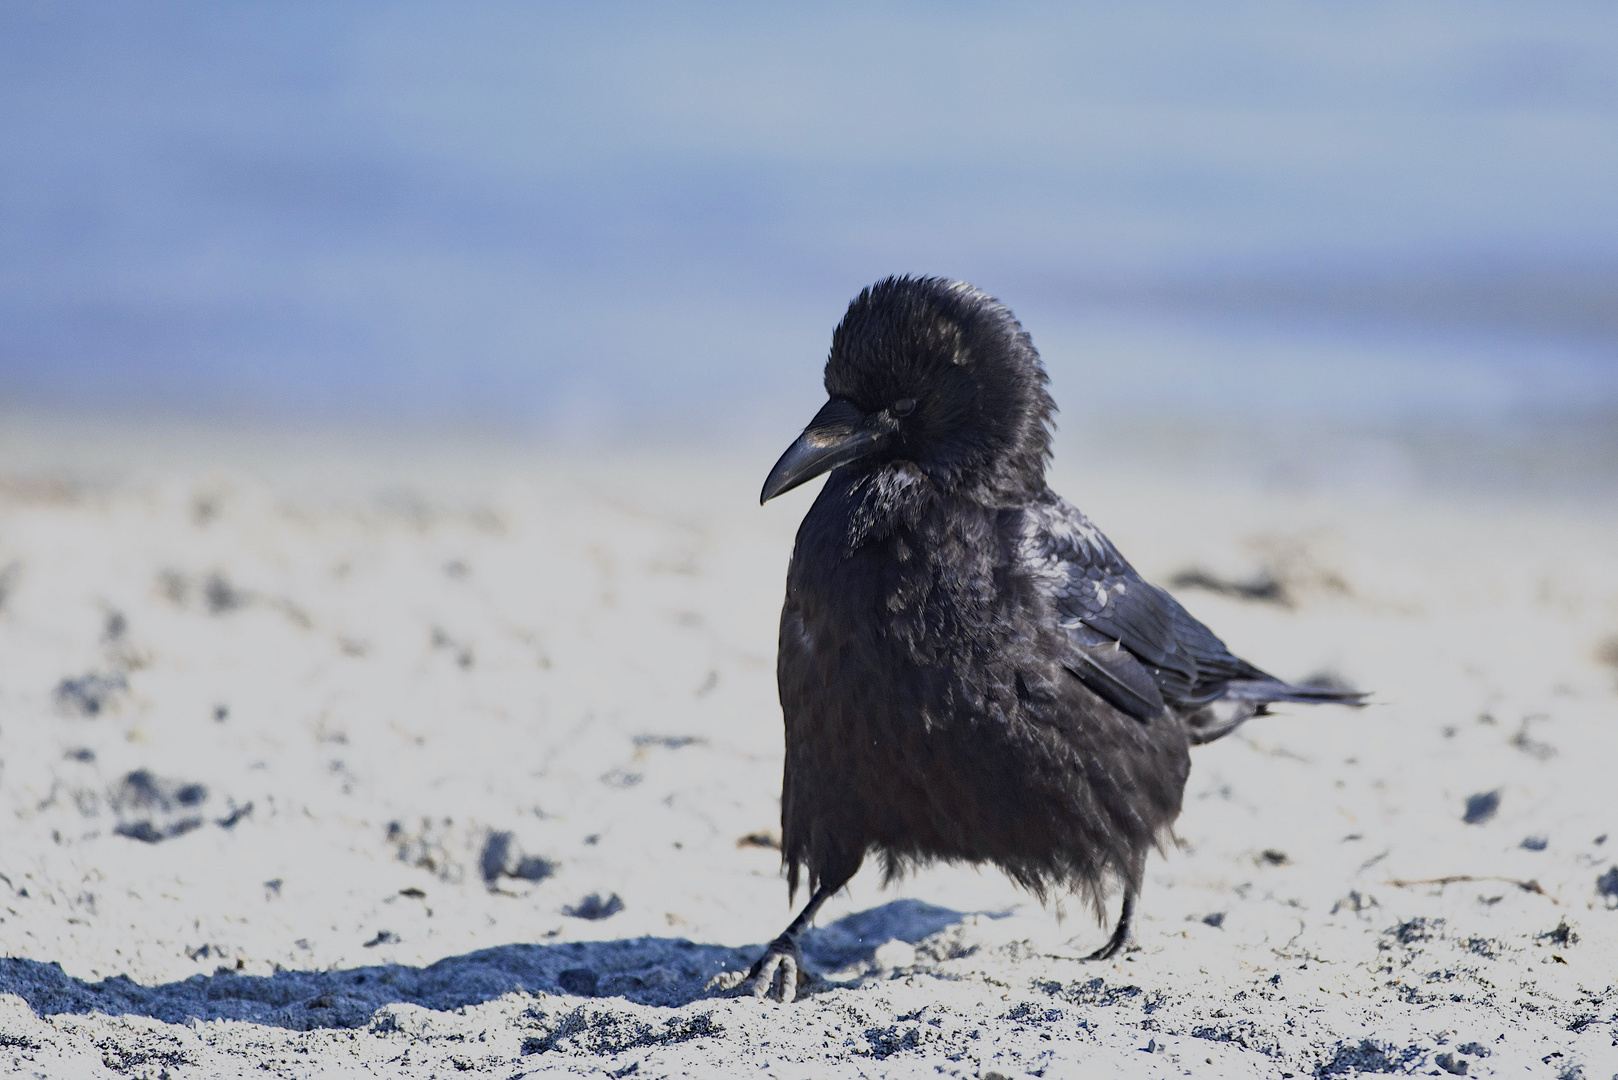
pixel 969 670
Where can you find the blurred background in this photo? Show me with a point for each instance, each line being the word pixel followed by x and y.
pixel 1369 244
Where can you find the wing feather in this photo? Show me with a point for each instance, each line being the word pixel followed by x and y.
pixel 1094 587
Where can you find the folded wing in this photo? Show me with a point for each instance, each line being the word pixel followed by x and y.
pixel 1132 643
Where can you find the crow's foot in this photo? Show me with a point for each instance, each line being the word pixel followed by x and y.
pixel 1118 942
pixel 1123 933
pixel 780 969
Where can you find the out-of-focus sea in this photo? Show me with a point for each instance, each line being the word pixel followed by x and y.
pixel 1374 244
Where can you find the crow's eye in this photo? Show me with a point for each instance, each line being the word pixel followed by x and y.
pixel 904 406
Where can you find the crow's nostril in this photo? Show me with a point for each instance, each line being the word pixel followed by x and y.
pixel 904 406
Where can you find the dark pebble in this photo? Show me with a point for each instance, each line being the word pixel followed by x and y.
pixel 593 907
pixel 1481 807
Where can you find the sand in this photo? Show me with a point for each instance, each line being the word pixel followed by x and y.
pixel 429 764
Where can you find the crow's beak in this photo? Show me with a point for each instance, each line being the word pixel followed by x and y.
pixel 838 434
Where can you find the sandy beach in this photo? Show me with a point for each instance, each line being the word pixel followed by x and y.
pixel 432 763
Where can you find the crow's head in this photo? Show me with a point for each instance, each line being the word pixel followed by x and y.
pixel 936 373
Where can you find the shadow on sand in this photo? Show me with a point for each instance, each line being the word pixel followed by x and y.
pixel 647 971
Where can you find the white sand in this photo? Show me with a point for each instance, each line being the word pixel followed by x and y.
pixel 397 719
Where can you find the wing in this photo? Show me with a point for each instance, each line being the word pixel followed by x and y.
pixel 1105 605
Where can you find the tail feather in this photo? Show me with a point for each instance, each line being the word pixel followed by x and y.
pixel 1269 690
pixel 1244 699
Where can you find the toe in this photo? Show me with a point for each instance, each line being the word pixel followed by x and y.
pixel 1109 950
pixel 763 974
pixel 726 980
pixel 789 980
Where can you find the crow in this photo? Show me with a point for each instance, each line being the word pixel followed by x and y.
pixel 969 670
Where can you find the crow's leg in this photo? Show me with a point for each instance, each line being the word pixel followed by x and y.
pixel 1125 929
pixel 784 957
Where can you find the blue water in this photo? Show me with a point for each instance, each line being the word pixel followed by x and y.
pixel 609 215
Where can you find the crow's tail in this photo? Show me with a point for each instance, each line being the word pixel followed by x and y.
pixel 1266 691
pixel 1244 699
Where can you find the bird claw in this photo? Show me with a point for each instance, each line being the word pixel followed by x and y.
pixel 1111 949
pixel 781 968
